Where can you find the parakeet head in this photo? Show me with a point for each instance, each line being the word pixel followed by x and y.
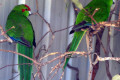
pixel 23 9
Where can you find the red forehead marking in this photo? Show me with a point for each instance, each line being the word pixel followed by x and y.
pixel 28 7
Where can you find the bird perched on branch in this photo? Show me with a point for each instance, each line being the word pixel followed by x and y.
pixel 84 20
pixel 23 35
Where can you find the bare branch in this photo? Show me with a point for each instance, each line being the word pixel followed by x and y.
pixel 34 61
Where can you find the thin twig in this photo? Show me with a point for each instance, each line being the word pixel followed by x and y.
pixel 34 61
pixel 15 65
pixel 14 77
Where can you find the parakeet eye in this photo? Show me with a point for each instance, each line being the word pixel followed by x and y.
pixel 28 8
pixel 24 10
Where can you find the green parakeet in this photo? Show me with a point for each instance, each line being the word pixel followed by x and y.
pixel 83 21
pixel 23 35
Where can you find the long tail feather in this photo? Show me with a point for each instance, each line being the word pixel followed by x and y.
pixel 75 43
pixel 25 69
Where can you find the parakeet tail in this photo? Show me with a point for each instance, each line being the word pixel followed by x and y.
pixel 75 43
pixel 24 68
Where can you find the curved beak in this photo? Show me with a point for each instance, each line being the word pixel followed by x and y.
pixel 29 13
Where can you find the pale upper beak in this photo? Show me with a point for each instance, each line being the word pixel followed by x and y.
pixel 29 12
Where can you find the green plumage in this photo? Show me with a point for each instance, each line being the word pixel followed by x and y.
pixel 100 16
pixel 23 34
pixel 25 70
